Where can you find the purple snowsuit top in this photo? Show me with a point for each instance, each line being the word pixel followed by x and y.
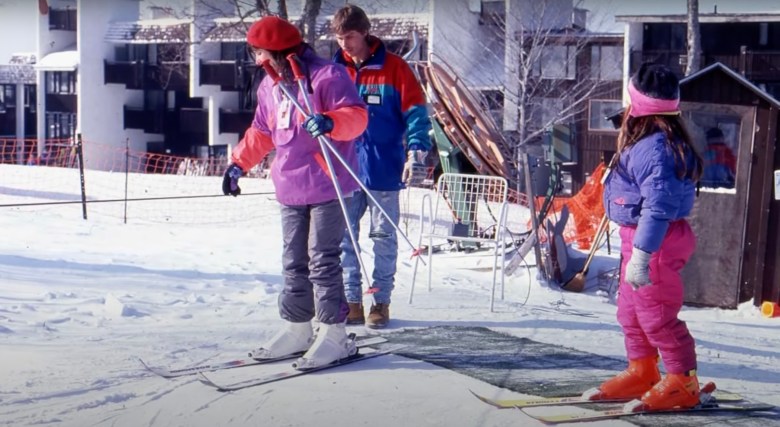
pixel 299 170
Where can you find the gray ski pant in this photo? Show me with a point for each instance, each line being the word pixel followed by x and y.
pixel 311 262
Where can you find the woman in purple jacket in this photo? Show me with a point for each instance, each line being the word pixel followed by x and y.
pixel 312 221
pixel 649 194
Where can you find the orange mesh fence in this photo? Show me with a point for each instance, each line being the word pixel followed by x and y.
pixel 585 209
pixel 107 157
pixel 185 190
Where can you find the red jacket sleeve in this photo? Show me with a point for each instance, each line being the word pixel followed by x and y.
pixel 348 122
pixel 252 149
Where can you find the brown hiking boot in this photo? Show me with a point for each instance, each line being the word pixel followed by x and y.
pixel 378 316
pixel 355 316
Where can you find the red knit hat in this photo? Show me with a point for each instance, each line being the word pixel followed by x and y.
pixel 273 33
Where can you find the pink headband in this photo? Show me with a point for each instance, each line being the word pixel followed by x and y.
pixel 643 105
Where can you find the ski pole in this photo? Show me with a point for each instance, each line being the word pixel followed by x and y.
pixel 293 58
pixel 277 79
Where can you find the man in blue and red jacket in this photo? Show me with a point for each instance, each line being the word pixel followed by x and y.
pixel 396 109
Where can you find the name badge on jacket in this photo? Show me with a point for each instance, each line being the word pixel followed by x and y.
pixel 373 99
pixel 284 115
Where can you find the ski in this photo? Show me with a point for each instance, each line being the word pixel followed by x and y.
pixel 576 400
pixel 610 414
pixel 240 363
pixel 292 373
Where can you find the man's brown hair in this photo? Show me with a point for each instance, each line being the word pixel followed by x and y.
pixel 350 18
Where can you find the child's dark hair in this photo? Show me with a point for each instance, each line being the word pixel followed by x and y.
pixel 677 138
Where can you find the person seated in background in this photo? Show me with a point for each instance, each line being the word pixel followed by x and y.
pixel 720 164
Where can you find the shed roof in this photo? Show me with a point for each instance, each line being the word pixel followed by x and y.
pixel 736 76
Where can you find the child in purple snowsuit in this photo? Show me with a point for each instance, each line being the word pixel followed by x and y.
pixel 649 194
pixel 312 220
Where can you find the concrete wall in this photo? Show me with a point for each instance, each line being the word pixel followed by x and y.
pixel 474 51
pixel 101 106
pixel 213 97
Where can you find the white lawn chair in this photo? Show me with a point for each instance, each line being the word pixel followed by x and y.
pixel 470 210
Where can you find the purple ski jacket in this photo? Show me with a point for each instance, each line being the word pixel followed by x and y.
pixel 644 191
pixel 299 170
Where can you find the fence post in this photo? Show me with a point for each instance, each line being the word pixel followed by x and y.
pixel 127 173
pixel 80 155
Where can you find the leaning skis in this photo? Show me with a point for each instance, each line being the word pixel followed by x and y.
pixel 292 373
pixel 240 363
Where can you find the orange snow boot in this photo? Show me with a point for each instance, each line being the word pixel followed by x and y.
pixel 674 391
pixel 640 376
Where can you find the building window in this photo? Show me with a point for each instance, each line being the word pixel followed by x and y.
pixel 63 19
pixel 30 99
pixel 60 125
pixel 557 63
pixel 606 62
pixel 7 96
pixel 600 109
pixel 61 82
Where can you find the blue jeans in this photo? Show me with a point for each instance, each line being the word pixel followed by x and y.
pixel 385 248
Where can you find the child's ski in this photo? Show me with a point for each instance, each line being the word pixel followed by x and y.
pixel 620 413
pixel 531 402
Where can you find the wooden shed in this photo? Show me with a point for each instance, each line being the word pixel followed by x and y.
pixel 736 218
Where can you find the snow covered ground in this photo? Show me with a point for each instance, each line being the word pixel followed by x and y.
pixel 188 281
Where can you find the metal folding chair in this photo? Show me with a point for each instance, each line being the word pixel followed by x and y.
pixel 470 211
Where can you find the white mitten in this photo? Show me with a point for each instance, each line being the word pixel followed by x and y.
pixel 414 168
pixel 638 269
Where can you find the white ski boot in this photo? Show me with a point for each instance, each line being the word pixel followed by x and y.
pixel 292 338
pixel 332 344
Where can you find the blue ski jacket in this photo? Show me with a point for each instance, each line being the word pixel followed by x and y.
pixel 396 107
pixel 644 191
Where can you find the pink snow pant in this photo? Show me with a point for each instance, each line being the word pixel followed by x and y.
pixel 649 315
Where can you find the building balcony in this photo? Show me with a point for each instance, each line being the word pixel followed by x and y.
pixel 130 74
pixel 140 75
pixel 194 120
pixel 224 74
pixel 61 103
pixel 150 121
pixel 756 66
pixel 234 121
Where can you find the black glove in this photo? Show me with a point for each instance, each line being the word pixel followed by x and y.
pixel 318 124
pixel 230 180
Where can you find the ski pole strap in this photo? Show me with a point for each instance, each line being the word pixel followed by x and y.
pixel 269 69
